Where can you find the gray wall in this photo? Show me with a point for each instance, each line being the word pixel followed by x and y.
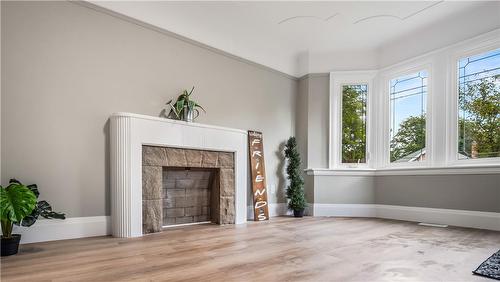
pixel 301 125
pixel 66 68
pixel 318 120
pixel 462 192
pixel 312 126
pixel 301 129
pixel 344 190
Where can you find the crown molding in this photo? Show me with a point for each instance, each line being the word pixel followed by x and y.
pixel 313 75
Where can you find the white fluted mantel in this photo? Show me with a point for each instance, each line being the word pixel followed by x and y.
pixel 130 131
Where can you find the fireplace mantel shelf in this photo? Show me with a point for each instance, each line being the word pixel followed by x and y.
pixel 129 132
pixel 180 122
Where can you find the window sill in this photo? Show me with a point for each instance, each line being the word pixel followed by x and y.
pixel 450 170
pixel 340 171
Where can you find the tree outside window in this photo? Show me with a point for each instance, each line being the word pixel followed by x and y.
pixel 479 106
pixel 354 123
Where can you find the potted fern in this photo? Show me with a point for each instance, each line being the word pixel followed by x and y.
pixel 16 203
pixel 184 108
pixel 295 191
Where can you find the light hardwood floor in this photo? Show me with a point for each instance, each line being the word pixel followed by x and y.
pixel 283 249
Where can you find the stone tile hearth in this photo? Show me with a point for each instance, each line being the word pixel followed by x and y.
pixel 186 186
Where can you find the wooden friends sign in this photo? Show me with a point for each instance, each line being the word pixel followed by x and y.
pixel 258 174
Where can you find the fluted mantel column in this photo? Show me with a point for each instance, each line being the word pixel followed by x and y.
pixel 120 176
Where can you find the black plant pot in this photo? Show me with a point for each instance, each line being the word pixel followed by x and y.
pixel 10 246
pixel 298 213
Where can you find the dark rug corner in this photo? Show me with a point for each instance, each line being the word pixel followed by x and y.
pixel 490 268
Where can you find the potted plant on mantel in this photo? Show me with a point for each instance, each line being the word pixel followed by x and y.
pixel 295 191
pixel 184 107
pixel 19 205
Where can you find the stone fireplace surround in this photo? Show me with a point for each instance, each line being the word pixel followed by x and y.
pixel 129 132
pixel 155 159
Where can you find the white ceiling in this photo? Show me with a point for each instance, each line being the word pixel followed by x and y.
pixel 274 34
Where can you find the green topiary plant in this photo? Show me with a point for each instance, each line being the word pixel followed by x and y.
pixel 295 191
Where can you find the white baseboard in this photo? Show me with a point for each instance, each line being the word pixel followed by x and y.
pixel 279 209
pixel 80 227
pixel 70 228
pixel 462 218
pixel 344 210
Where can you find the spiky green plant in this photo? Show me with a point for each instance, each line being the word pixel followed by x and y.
pixel 294 191
pixel 183 103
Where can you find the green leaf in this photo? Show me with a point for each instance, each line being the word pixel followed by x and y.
pixel 16 202
pixel 13 180
pixel 199 106
pixel 45 210
pixel 32 187
pixel 179 105
pixel 42 208
pixel 30 219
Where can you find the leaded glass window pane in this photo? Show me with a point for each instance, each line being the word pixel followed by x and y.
pixel 479 106
pixel 408 100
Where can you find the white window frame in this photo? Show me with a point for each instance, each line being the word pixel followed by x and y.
pixel 475 48
pixel 337 81
pixel 441 114
pixel 385 138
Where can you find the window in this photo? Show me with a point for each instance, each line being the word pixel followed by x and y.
pixel 350 110
pixel 440 110
pixel 408 100
pixel 354 123
pixel 479 106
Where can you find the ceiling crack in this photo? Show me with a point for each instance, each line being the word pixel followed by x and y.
pixel 308 17
pixel 397 17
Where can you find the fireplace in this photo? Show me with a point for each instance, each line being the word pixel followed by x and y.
pixel 142 148
pixel 185 186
